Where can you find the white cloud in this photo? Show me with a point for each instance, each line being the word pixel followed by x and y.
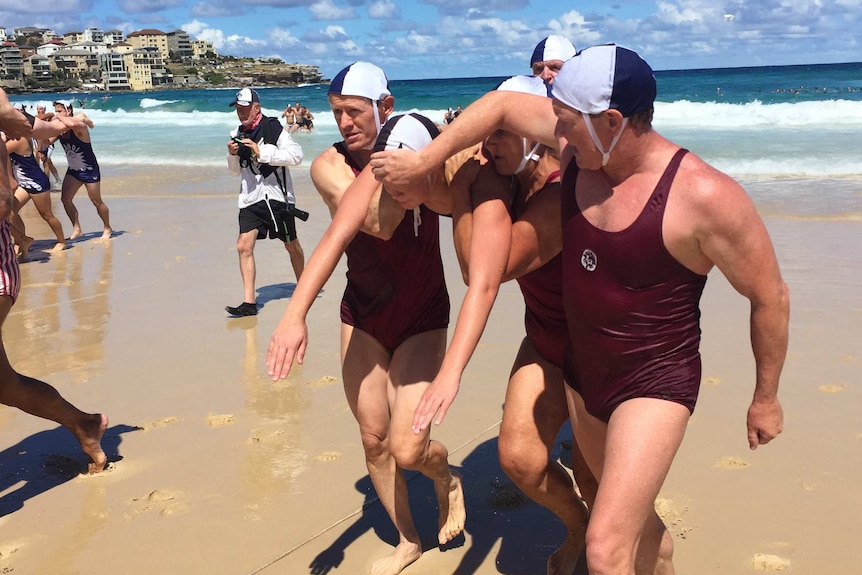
pixel 220 41
pixel 282 38
pixel 384 10
pixel 415 43
pixel 327 10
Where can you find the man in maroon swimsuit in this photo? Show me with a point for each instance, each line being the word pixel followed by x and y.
pixel 395 309
pixel 643 224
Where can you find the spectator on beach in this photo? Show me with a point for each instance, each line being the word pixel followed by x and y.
pixel 448 116
pixel 509 191
pixel 32 183
pixel 643 222
pixel 17 390
pixel 259 151
pixel 549 55
pixel 83 170
pixel 395 309
pixel 289 116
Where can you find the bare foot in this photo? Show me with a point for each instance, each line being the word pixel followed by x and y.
pixel 24 247
pixel 58 247
pixel 76 233
pixel 90 437
pixel 106 235
pixel 450 500
pixel 564 560
pixel 403 555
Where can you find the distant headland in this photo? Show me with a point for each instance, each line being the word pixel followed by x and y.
pixel 40 60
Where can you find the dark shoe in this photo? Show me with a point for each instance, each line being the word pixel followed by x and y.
pixel 242 309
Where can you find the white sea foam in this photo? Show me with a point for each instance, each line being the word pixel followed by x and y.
pixel 756 114
pixel 152 102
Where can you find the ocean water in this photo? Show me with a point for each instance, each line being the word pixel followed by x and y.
pixel 790 134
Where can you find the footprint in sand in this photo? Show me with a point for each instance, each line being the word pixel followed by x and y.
pixel 832 388
pixel 671 514
pixel 327 456
pixel 7 550
pixel 220 419
pixel 257 437
pixel 731 463
pixel 164 422
pixel 711 381
pixel 767 562
pixel 161 501
pixel 324 381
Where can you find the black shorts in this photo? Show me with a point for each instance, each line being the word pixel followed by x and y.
pixel 257 217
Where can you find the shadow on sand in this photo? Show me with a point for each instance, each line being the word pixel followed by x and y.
pixel 47 459
pixel 497 511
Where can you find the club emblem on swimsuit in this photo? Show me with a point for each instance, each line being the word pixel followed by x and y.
pixel 588 260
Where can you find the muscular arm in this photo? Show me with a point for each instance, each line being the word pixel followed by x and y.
pixel 525 114
pixel 537 235
pixel 13 122
pixel 56 125
pixel 731 235
pixel 488 254
pixel 332 176
pixel 290 336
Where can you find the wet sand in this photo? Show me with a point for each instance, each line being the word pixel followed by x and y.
pixel 216 469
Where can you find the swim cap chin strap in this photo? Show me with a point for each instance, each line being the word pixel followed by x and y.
pixel 377 123
pixel 527 157
pixel 606 156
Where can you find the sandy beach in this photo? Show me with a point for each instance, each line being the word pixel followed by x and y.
pixel 215 469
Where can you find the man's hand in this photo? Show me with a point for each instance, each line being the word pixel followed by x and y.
pixel 436 400
pixel 398 169
pixel 288 341
pixel 765 422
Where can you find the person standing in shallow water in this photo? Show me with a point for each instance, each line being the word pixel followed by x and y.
pixel 17 390
pixel 83 170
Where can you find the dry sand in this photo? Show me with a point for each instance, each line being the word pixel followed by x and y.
pixel 215 469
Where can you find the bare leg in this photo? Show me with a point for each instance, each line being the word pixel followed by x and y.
pixel 42 202
pixel 624 534
pixel 297 257
pixel 71 185
pixel 245 248
pixel 364 370
pixel 535 410
pixel 94 191
pixel 414 365
pixel 40 399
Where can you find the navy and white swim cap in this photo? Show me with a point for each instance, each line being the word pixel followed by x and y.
pixel 552 48
pixel 361 79
pixel 412 131
pixel 606 77
pixel 526 84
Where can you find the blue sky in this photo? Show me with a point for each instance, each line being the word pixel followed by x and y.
pixel 413 39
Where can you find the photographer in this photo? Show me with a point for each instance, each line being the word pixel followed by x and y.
pixel 259 150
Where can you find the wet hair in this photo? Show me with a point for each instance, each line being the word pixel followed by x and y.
pixel 643 119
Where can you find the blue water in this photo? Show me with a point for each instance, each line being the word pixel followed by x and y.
pixel 786 132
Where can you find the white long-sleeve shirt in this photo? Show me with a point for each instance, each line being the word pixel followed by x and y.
pixel 253 187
